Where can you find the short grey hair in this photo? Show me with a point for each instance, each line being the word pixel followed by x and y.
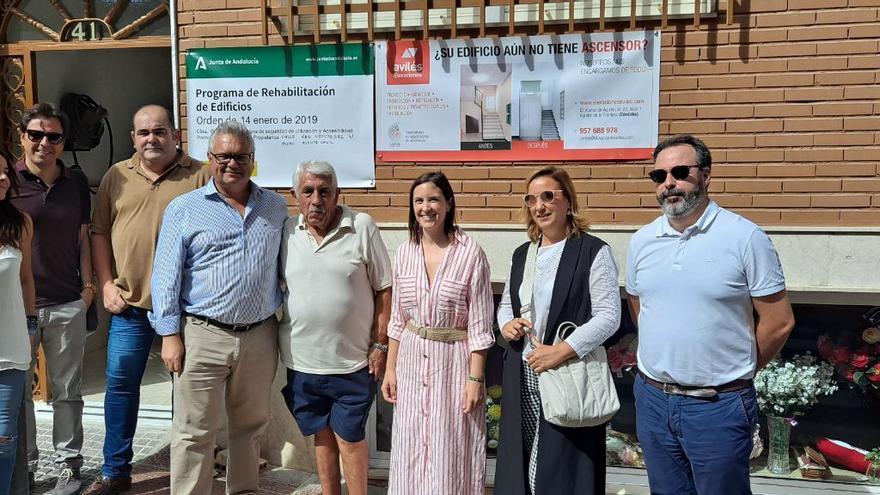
pixel 233 128
pixel 318 168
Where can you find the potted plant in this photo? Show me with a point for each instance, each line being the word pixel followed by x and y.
pixel 787 389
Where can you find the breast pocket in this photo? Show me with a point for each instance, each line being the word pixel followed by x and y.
pixel 406 293
pixel 452 296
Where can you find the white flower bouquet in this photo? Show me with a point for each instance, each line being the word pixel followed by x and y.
pixel 790 388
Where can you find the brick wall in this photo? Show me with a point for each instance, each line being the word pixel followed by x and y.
pixel 787 97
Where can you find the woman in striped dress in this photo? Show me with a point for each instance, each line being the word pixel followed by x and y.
pixel 440 330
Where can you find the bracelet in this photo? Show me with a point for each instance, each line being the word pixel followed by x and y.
pixel 472 378
pixel 379 347
pixel 91 287
pixel 32 325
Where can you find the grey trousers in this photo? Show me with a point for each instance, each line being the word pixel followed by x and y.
pixel 62 332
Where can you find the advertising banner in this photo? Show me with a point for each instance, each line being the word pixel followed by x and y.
pixel 530 98
pixel 300 103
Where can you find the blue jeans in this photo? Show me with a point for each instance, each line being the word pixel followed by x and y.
pixel 128 348
pixel 696 446
pixel 11 395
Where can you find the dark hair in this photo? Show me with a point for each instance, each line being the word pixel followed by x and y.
pixel 704 156
pixel 11 219
pixel 576 222
pixel 442 183
pixel 42 111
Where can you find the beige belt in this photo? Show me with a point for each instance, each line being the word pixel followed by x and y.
pixel 438 334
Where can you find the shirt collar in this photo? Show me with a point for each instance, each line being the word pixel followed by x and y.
pixel 702 224
pixel 211 190
pixel 24 171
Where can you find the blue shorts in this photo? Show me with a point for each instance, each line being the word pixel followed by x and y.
pixel 341 402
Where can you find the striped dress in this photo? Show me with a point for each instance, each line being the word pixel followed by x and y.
pixel 435 448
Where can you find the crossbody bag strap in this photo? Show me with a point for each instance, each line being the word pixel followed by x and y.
pixel 526 288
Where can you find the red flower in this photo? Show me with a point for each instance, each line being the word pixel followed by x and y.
pixel 839 355
pixel 859 360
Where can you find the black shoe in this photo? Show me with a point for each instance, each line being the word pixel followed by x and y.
pixel 68 482
pixel 32 480
pixel 109 486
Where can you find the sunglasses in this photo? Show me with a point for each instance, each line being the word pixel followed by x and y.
pixel 546 197
pixel 223 158
pixel 679 172
pixel 37 136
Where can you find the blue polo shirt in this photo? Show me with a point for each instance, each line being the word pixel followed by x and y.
pixel 695 290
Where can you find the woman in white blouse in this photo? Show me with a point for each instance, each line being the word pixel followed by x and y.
pixel 575 279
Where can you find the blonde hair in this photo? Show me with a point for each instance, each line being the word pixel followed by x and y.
pixel 576 222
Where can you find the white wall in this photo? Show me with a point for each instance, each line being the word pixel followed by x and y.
pixel 120 80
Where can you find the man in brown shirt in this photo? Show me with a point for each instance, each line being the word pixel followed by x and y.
pixel 125 227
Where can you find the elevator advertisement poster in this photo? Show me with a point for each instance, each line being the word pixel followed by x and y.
pixel 531 98
pixel 299 102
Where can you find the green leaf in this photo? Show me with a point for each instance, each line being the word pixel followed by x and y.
pixel 859 378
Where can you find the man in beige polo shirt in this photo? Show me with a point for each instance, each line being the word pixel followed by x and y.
pixel 125 227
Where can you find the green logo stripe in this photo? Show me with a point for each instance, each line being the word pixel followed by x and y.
pixel 349 59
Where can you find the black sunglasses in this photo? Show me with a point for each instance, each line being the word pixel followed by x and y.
pixel 223 158
pixel 37 136
pixel 679 172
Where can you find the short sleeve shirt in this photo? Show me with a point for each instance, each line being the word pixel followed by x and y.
pixel 328 317
pixel 58 211
pixel 696 325
pixel 129 208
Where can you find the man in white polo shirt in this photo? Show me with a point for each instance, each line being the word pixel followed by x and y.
pixel 333 334
pixel 694 277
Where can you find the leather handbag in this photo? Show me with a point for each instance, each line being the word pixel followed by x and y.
pixel 579 392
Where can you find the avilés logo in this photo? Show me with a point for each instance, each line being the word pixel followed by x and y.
pixel 409 62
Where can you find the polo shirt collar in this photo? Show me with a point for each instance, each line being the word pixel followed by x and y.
pixel 702 224
pixel 23 170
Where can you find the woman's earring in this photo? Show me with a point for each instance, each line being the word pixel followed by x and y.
pixel 569 213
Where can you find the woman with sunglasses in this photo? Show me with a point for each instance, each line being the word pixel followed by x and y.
pixel 440 330
pixel 575 280
pixel 18 320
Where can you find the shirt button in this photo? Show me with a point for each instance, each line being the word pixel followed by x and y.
pixel 425 356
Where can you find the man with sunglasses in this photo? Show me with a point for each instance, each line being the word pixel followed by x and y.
pixel 216 291
pixel 125 226
pixel 695 277
pixel 57 199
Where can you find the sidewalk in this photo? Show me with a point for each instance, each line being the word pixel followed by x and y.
pixel 150 468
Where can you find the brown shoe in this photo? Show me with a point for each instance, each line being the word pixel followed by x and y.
pixel 109 486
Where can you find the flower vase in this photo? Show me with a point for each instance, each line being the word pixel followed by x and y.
pixel 778 433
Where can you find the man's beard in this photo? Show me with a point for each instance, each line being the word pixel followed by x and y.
pixel 688 203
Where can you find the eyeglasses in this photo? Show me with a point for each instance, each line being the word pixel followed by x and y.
pixel 223 158
pixel 546 197
pixel 37 136
pixel 679 172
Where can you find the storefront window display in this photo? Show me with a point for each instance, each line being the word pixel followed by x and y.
pixel 831 366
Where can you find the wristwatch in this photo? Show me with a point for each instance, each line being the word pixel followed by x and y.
pixel 91 287
pixel 378 346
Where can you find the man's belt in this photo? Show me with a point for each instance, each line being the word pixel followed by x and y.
pixel 236 327
pixel 693 391
pixel 439 334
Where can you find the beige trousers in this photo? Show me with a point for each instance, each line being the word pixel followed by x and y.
pixel 227 372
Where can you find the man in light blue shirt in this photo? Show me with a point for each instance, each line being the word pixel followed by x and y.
pixel 215 296
pixel 694 278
